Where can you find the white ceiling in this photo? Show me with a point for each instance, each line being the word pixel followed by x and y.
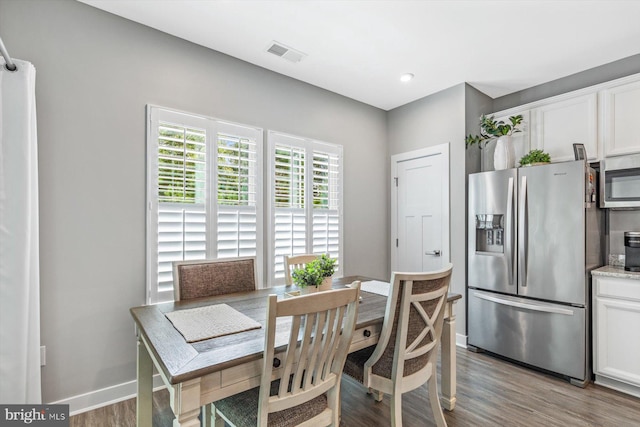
pixel 359 49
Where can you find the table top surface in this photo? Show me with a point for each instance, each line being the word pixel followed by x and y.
pixel 182 361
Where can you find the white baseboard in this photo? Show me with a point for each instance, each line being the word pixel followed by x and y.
pixel 461 340
pixel 106 396
pixel 618 385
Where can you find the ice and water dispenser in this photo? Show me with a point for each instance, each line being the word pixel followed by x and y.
pixel 490 233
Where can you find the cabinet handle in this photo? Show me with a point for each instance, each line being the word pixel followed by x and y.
pixel 367 333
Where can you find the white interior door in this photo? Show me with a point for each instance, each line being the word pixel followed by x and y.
pixel 420 210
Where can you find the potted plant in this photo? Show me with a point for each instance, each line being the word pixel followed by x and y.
pixel 307 277
pixel 503 157
pixel 315 273
pixel 535 157
pixel 327 266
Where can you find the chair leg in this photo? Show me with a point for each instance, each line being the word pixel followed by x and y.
pixel 434 400
pixel 378 395
pixel 396 409
pixel 333 402
pixel 215 420
pixel 205 416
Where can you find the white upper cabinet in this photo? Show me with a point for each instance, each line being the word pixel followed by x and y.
pixel 605 118
pixel 621 119
pixel 558 125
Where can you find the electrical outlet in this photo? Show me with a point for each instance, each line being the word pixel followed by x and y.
pixel 43 355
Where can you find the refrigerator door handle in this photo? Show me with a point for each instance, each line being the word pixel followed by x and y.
pixel 509 234
pixel 522 233
pixel 526 306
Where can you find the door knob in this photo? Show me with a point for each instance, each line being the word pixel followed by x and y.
pixel 435 253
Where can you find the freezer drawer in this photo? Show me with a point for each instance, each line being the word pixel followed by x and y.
pixel 549 336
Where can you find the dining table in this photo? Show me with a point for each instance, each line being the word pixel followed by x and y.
pixel 202 372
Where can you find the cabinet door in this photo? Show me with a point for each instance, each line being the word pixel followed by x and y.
pixel 617 339
pixel 557 126
pixel 520 141
pixel 621 124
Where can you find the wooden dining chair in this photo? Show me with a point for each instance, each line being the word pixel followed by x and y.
pixel 307 392
pixel 406 354
pixel 294 262
pixel 205 278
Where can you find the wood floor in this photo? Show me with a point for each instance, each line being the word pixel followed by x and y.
pixel 491 392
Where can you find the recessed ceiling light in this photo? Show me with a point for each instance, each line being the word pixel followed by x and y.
pixel 406 77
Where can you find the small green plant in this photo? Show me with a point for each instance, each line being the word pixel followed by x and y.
pixel 313 273
pixel 535 156
pixel 490 129
pixel 310 275
pixel 327 265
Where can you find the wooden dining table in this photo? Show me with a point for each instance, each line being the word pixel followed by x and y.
pixel 203 372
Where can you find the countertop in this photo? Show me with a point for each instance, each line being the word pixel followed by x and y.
pixel 619 272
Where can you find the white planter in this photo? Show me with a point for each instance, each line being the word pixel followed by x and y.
pixel 327 283
pixel 504 156
pixel 308 290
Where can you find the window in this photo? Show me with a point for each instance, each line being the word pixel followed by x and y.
pixel 202 192
pixel 305 200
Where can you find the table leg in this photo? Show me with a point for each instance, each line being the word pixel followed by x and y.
pixel 144 401
pixel 187 419
pixel 187 404
pixel 448 361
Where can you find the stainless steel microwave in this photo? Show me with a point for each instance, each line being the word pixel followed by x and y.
pixel 620 182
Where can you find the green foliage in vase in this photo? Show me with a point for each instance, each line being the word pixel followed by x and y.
pixel 535 156
pixel 327 265
pixel 310 275
pixel 491 129
pixel 313 273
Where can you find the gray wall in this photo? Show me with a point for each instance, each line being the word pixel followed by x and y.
pixel 434 120
pixel 95 74
pixel 476 104
pixel 619 222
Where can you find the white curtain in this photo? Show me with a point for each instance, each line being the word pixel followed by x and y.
pixel 19 257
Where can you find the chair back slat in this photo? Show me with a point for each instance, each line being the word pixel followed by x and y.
pixel 327 338
pixel 316 345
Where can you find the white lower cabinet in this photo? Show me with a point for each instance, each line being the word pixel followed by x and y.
pixel 616 333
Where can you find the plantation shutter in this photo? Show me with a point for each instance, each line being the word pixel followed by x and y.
pixel 305 198
pixel 203 194
pixel 326 201
pixel 177 195
pixel 238 197
pixel 289 216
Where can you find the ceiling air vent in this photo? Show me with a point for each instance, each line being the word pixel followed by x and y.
pixel 285 52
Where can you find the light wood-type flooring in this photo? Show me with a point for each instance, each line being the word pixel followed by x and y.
pixel 491 392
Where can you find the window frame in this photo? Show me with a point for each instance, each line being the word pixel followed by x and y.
pixel 213 127
pixel 310 146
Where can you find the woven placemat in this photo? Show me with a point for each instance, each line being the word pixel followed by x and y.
pixel 203 323
pixel 376 287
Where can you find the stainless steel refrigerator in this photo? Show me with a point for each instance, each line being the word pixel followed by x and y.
pixel 534 236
